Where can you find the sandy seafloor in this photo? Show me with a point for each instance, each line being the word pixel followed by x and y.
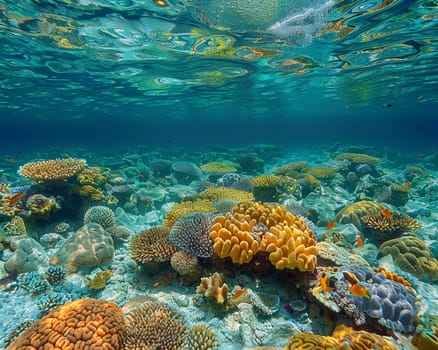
pixel 243 325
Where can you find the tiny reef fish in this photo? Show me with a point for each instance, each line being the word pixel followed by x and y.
pixel 330 225
pixel 387 213
pixel 324 284
pixel 359 291
pixel 359 241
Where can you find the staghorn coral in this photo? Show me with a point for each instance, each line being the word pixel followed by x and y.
pixel 311 341
pixel 266 187
pixel 90 246
pixel 191 233
pixel 181 209
pixel 321 173
pixel 48 170
pixel 81 324
pixel 153 326
pixel 353 213
pixel 32 282
pixel 412 255
pixel 339 255
pixel 152 244
pixel 93 176
pixel 384 227
pixel 213 287
pixel 359 158
pixel 201 338
pixel 50 301
pixel 218 168
pixel 216 194
pixel 101 215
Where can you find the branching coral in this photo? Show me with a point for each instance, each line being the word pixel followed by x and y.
pixel 154 326
pixel 152 245
pixel 93 176
pixel 181 209
pixel 80 324
pixel 57 169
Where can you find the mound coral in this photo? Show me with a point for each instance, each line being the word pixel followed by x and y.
pixel 213 287
pixel 338 255
pixel 215 194
pixel 48 170
pixel 152 244
pixel 389 226
pixel 186 266
pixel 181 209
pixel 253 226
pixel 412 255
pixel 201 338
pixel 266 187
pixel 80 324
pixel 154 326
pixel 359 158
pixel 291 169
pixel 353 213
pixel 321 173
pixel 101 215
pixel 191 233
pixel 91 246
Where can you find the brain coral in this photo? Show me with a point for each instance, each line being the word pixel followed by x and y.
pixel 253 226
pixel 412 255
pixel 310 341
pixel 353 213
pixel 80 324
pixel 154 326
pixel 91 246
pixel 57 169
pixel 339 255
pixel 181 209
pixel 152 244
pixel 191 233
pixel 359 158
pixel 101 215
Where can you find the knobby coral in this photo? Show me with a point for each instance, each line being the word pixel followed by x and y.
pixel 213 287
pixel 80 324
pixel 56 169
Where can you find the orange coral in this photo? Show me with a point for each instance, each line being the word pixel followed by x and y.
pixel 80 324
pixel 266 227
pixel 56 169
pixel 213 287
pixel 310 341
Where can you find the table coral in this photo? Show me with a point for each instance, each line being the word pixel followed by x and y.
pixel 191 233
pixel 90 246
pixel 152 244
pixel 359 158
pixel 412 255
pixel 80 324
pixel 154 326
pixel 353 213
pixel 291 169
pixel 56 169
pixel 181 209
pixel 218 168
pixel 321 173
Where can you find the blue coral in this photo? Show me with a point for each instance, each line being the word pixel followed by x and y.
pixel 32 282
pixel 55 274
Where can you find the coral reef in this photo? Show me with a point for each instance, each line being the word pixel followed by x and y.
pixel 152 245
pixel 213 287
pixel 154 326
pixel 292 169
pixel 181 209
pixel 321 173
pixel 412 255
pixel 80 324
pixel 426 333
pixel 353 213
pixel 48 170
pixel 101 215
pixel 191 233
pixel 215 194
pixel 93 176
pixel 92 192
pixel 309 340
pixel 16 331
pixel 90 246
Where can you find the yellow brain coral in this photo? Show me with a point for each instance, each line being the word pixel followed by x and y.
pixel 253 226
pixel 181 209
pixel 359 158
pixel 310 341
pixel 56 169
pixel 80 324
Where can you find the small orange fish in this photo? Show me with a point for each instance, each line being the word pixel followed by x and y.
pixel 16 197
pixel 359 291
pixel 330 225
pixel 387 213
pixel 359 241
pixel 238 293
pixel 156 284
pixel 407 186
pixel 323 281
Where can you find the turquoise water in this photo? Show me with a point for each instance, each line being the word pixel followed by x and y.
pixel 331 69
